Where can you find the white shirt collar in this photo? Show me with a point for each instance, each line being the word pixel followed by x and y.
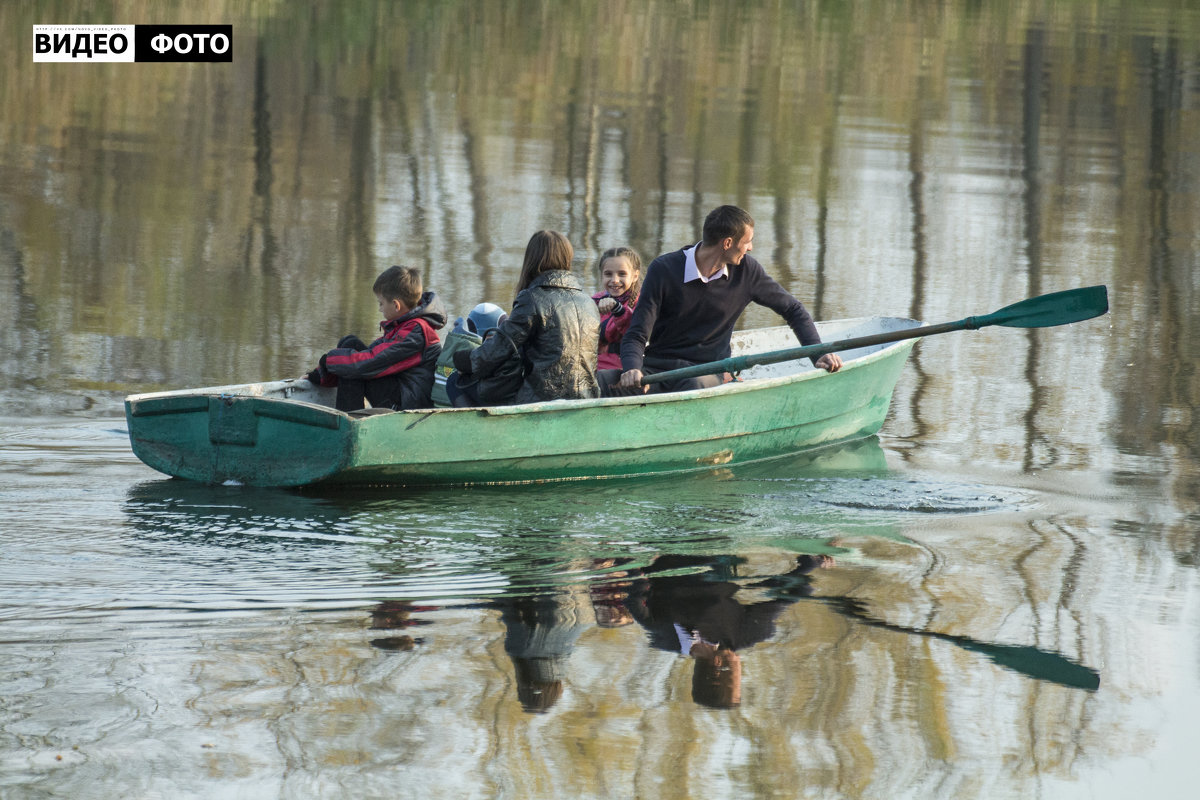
pixel 691 272
pixel 689 639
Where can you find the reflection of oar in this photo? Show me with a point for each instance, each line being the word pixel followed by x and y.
pixel 1044 311
pixel 1040 664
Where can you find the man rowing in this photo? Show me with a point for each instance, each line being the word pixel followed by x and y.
pixel 690 301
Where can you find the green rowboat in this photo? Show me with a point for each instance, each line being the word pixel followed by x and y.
pixel 287 433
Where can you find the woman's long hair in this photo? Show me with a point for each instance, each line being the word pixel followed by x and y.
pixel 546 250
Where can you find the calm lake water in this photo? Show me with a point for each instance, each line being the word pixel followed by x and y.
pixel 995 597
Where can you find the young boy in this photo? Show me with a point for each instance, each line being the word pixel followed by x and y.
pixel 396 370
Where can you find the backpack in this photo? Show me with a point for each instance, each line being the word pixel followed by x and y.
pixel 457 339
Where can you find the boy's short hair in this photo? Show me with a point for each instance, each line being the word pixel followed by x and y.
pixel 726 222
pixel 400 283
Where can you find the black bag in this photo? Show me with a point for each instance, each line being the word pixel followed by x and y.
pixel 501 386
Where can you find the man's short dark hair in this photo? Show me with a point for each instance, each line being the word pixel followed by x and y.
pixel 725 222
pixel 400 283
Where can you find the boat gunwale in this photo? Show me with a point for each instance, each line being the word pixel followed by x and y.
pixel 281 386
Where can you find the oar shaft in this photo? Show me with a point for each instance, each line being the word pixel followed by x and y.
pixel 812 351
pixel 1045 311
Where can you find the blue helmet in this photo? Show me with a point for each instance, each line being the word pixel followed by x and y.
pixel 485 317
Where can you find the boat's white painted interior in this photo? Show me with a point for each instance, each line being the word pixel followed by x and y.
pixel 761 340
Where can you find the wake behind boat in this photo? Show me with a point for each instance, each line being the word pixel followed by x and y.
pixel 287 433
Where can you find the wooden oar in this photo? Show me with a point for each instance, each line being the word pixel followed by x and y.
pixel 1044 311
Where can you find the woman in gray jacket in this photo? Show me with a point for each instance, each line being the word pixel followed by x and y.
pixel 546 349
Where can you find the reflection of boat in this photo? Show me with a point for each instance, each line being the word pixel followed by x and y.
pixel 285 433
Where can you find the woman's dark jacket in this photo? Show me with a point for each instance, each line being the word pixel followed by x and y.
pixel 553 327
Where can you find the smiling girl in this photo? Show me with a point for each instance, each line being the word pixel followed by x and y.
pixel 621 276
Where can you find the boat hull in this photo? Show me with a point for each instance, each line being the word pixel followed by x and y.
pixel 284 434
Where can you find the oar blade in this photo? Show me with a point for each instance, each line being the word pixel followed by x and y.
pixel 1049 310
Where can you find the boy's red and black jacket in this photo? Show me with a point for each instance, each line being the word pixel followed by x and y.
pixel 409 345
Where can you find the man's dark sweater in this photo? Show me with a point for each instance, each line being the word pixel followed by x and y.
pixel 693 322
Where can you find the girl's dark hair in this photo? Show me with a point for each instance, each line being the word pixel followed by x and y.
pixel 635 261
pixel 546 250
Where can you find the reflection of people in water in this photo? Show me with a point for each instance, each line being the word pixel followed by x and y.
pixel 540 632
pixel 609 598
pixel 394 614
pixel 697 613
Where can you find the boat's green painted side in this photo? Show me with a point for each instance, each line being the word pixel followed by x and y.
pixel 254 440
pixel 261 434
